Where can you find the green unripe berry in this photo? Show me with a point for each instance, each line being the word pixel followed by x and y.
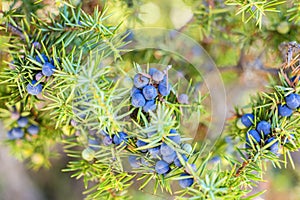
pixel 88 154
pixel 283 28
pixel 239 124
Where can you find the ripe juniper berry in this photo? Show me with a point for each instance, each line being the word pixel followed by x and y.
pixel 274 147
pixel 255 135
pixel 22 121
pixel 247 119
pixel 33 129
pixel 140 81
pixel 10 136
pixel 149 92
pixel 183 98
pixel 158 76
pixel 166 150
pixel 42 59
pixel 34 89
pixel 138 100
pixel 119 138
pixel 17 133
pixel 164 88
pixel 177 160
pixel 292 101
pixel 186 182
pixel 175 137
pixel 140 143
pixel 264 127
pixel 169 158
pixel 284 111
pixel 155 152
pixel 48 69
pixel 152 71
pixel 162 167
pixel 149 106
pixel 187 147
pixel 135 90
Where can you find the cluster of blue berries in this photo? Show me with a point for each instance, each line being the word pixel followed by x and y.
pixel 23 126
pixel 147 87
pixel 165 157
pixel 48 67
pixel 292 102
pixel 261 134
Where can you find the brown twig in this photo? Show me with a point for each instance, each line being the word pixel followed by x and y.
pixel 241 169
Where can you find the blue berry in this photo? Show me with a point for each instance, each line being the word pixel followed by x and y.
pixel 140 143
pixel 138 100
pixel 255 135
pixel 175 138
pixel 10 136
pixel 264 127
pixel 162 167
pixel 34 89
pixel 152 71
pixel 166 150
pixel 169 158
pixel 183 98
pixel 274 147
pixel 187 182
pixel 107 140
pixel 284 111
pixel 187 147
pixel 140 81
pixel 292 101
pixel 149 92
pixel 44 57
pixel 173 131
pixel 247 119
pixel 17 133
pixel 164 88
pixel 22 121
pixel 119 138
pixel 48 69
pixel 155 152
pixel 94 144
pixel 177 161
pixel 135 90
pixel 33 129
pixel 158 76
pixel 134 161
pixel 149 106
